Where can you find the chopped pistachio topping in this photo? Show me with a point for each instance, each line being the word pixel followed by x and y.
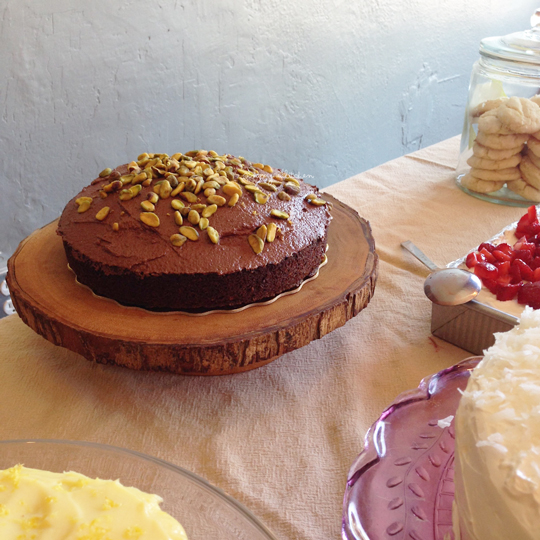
pixel 256 243
pixel 178 219
pixel 186 178
pixel 189 232
pixel 178 240
pixel 150 219
pixel 147 206
pixel 103 213
pixel 213 235
pixel 271 234
pixel 83 207
pixel 262 232
pixel 279 214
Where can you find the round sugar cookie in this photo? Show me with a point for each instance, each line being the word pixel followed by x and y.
pixel 536 99
pixel 501 142
pixel 502 175
pixel 530 172
pixel 486 106
pixel 494 165
pixel 519 115
pixel 533 144
pixel 525 190
pixel 535 159
pixel 480 186
pixel 490 122
pixel 482 151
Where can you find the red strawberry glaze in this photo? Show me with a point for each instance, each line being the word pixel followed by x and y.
pixel 512 271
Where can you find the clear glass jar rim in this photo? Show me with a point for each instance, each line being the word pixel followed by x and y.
pixel 523 47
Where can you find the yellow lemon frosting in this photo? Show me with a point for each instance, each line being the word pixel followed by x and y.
pixel 42 505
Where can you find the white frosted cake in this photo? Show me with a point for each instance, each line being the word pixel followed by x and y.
pixel 497 446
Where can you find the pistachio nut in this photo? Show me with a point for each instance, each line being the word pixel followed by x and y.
pixel 82 200
pixel 217 200
pixel 279 214
pixel 178 189
pixel 83 207
pixel 256 243
pixel 291 188
pixel 178 240
pixel 260 198
pixel 271 235
pixel 189 232
pixel 211 184
pixel 130 193
pixel 198 187
pixel 140 178
pixel 189 197
pixel 262 232
pixel 147 206
pixel 213 235
pixel 153 197
pixel 252 188
pixel 231 188
pixel 126 179
pixel 268 186
pixel 194 217
pixel 209 210
pixel 165 189
pixel 103 213
pixel 178 219
pixel 176 204
pixel 150 219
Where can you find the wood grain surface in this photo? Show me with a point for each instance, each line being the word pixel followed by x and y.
pixel 48 299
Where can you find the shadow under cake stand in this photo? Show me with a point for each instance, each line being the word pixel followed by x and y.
pixel 48 299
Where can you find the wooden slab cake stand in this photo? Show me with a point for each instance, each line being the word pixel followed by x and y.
pixel 48 299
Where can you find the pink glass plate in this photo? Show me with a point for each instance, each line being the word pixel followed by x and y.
pixel 401 486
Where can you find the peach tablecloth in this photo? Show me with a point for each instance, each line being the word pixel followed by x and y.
pixel 280 439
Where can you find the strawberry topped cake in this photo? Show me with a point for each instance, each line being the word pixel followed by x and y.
pixel 509 266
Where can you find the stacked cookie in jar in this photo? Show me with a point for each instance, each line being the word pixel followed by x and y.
pixel 506 149
pixel 498 160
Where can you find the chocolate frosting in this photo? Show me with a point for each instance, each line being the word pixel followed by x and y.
pixel 144 250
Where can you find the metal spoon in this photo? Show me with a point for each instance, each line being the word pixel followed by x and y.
pixel 446 286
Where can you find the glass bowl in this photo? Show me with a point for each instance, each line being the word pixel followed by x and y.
pixel 204 511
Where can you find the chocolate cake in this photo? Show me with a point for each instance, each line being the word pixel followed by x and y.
pixel 194 232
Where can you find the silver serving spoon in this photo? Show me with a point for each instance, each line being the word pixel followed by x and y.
pixel 446 286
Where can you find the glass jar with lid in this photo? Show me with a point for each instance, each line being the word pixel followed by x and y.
pixel 499 157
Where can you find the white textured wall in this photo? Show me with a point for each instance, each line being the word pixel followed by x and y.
pixel 325 90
